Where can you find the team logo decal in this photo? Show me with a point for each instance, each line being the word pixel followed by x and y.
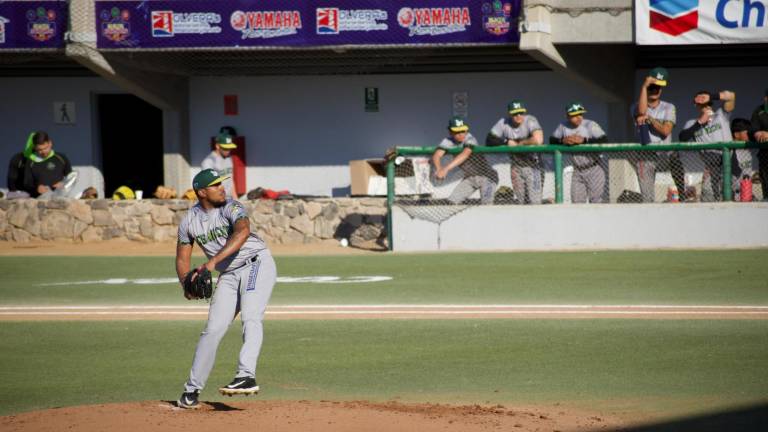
pixel 115 24
pixel 41 25
pixel 434 21
pixel 3 22
pixel 335 20
pixel 674 17
pixel 496 17
pixel 266 24
pixel 170 23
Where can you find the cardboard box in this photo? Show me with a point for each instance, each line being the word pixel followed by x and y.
pixel 361 171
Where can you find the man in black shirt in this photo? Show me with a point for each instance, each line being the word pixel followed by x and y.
pixel 760 134
pixel 38 169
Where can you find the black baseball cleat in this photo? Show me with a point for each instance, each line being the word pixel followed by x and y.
pixel 240 386
pixel 189 400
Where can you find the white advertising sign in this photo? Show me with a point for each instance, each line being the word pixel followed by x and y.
pixel 689 22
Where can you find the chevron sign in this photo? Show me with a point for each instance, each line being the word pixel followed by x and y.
pixel 674 17
pixel 680 22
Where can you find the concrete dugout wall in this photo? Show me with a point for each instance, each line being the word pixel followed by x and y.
pixel 585 227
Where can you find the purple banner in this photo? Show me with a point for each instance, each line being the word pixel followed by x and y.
pixel 33 24
pixel 304 23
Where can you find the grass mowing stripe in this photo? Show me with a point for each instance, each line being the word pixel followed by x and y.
pixel 649 277
pixel 664 366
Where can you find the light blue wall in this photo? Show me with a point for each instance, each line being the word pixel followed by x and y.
pixel 295 122
pixel 26 105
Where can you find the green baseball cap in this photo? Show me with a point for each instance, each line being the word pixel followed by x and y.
pixel 457 125
pixel 225 141
pixel 575 108
pixel 661 75
pixel 516 106
pixel 207 177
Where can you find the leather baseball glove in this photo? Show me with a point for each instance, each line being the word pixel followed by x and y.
pixel 200 287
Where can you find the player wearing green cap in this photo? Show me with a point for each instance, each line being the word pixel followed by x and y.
pixel 588 180
pixel 220 159
pixel 521 129
pixel 222 229
pixel 478 173
pixel 654 120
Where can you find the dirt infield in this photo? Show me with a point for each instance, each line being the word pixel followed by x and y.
pixel 323 416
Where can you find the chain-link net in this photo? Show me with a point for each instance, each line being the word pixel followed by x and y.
pixel 615 175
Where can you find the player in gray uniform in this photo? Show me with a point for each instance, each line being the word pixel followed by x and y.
pixel 588 175
pixel 655 120
pixel 220 159
pixel 520 129
pixel 221 228
pixel 711 127
pixel 478 173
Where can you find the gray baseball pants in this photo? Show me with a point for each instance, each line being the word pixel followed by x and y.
pixel 469 185
pixel 712 181
pixel 527 183
pixel 646 176
pixel 588 183
pixel 247 290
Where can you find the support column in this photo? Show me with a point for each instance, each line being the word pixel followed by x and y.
pixel 610 75
pixel 167 92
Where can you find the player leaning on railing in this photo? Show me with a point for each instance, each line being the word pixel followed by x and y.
pixel 521 129
pixel 654 120
pixel 711 127
pixel 478 173
pixel 588 180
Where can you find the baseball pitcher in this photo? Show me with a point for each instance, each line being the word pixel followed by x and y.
pixel 221 228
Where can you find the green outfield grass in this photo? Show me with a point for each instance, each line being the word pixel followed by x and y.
pixel 649 277
pixel 664 367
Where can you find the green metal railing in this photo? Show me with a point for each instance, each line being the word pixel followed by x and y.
pixel 557 152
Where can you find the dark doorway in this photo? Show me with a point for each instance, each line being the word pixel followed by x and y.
pixel 131 143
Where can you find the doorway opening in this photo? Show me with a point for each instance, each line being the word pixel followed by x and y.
pixel 131 132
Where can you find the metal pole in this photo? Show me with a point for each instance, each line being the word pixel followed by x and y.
pixel 727 190
pixel 390 198
pixel 558 177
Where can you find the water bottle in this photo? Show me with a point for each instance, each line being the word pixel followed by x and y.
pixel 673 195
pixel 745 195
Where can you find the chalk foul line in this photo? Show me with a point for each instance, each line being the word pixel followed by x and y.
pixel 280 279
pixel 403 310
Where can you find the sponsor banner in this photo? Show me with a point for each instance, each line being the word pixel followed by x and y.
pixel 33 24
pixel 683 22
pixel 301 23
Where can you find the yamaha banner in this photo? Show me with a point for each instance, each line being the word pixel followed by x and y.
pixel 33 24
pixel 304 23
pixel 682 22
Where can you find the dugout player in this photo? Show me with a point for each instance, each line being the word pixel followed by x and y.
pixel 588 180
pixel 654 120
pixel 711 126
pixel 521 129
pixel 478 173
pixel 39 169
pixel 760 131
pixel 221 228
pixel 220 159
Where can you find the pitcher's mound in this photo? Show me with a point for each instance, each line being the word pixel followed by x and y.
pixel 268 416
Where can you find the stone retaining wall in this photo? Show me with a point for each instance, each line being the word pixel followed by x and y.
pixel 362 220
